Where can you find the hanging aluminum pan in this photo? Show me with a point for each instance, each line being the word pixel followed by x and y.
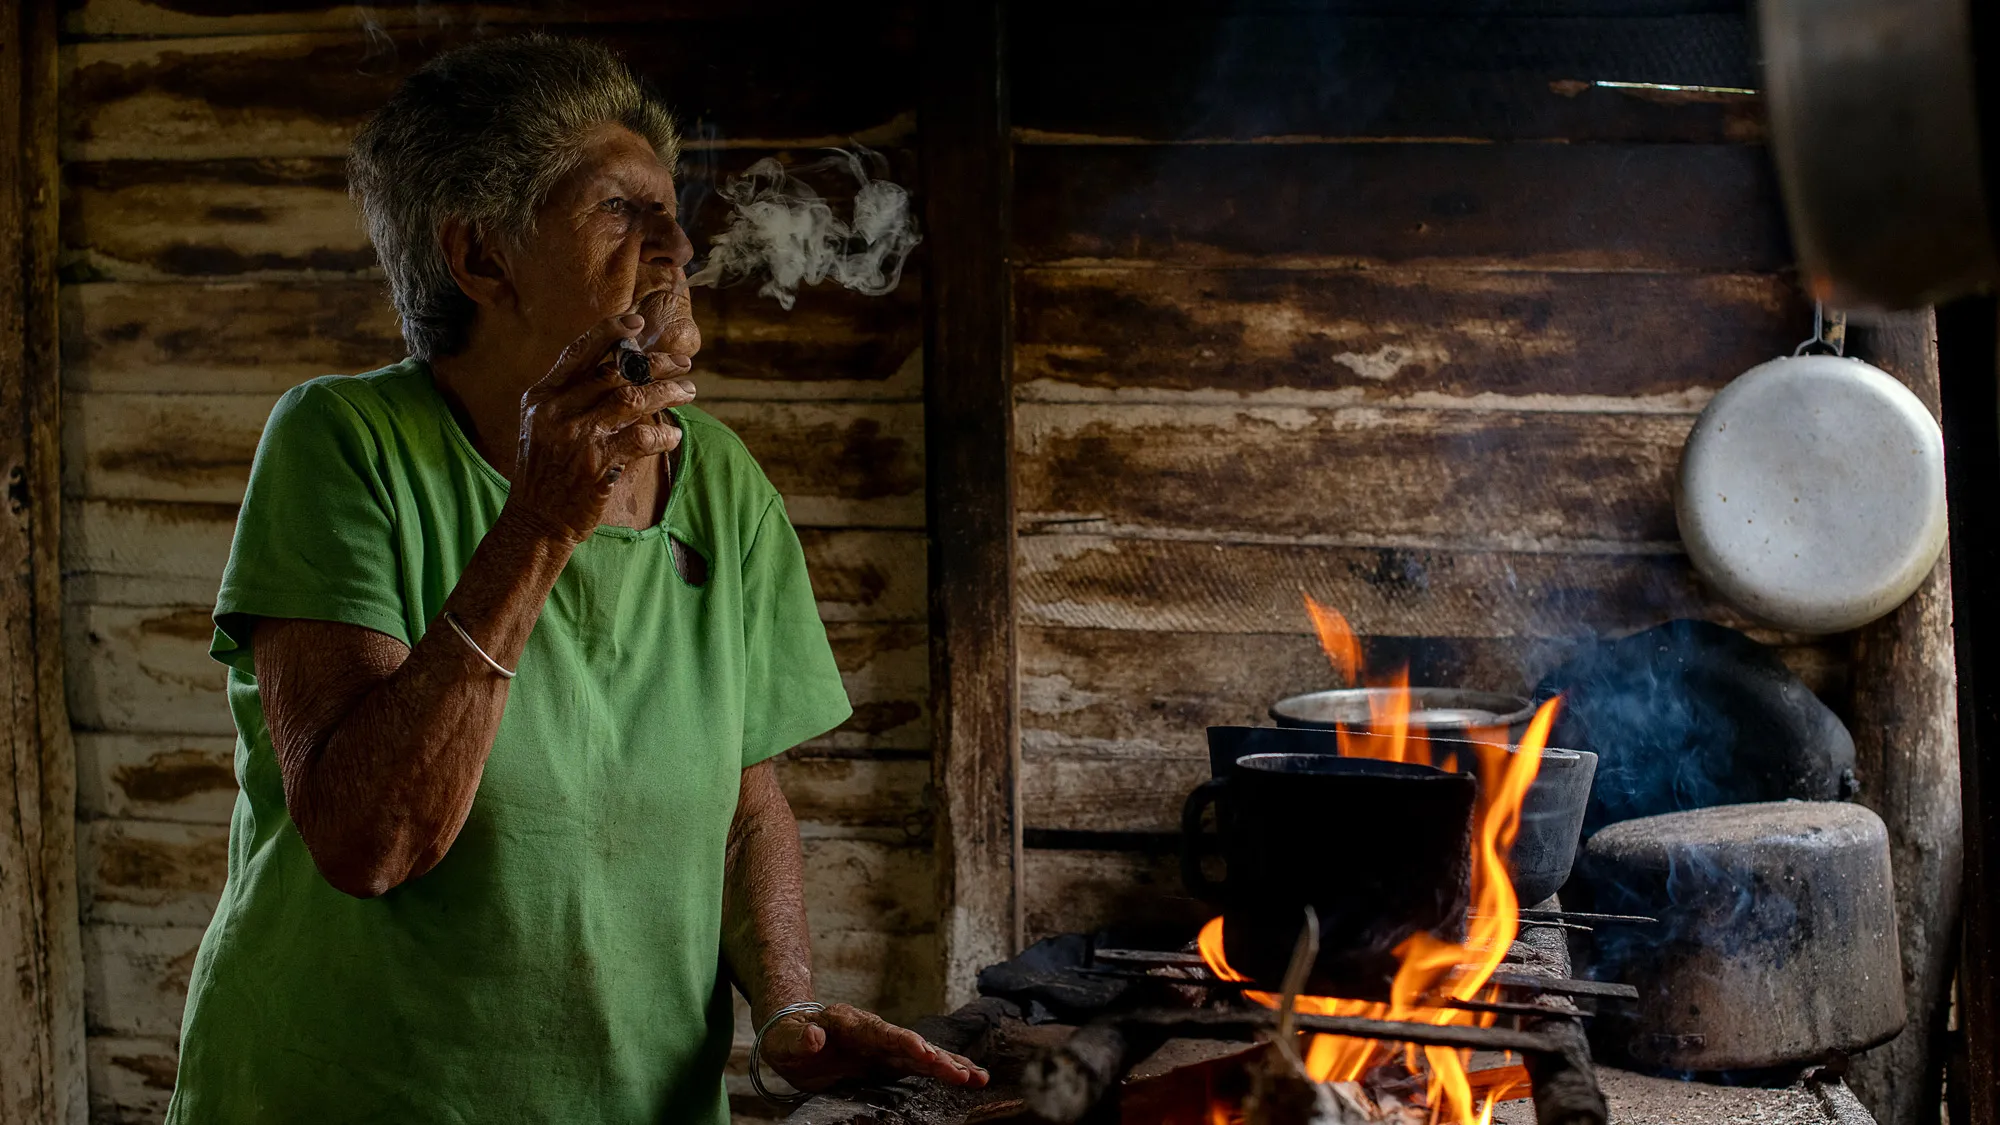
pixel 1811 493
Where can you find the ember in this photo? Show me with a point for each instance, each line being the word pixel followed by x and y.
pixel 1433 971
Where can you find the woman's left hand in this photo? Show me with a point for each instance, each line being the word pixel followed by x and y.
pixel 815 1050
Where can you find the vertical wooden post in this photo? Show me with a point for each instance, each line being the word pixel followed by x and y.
pixel 962 129
pixel 1905 724
pixel 41 1022
pixel 1970 388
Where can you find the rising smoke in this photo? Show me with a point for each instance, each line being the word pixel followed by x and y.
pixel 784 232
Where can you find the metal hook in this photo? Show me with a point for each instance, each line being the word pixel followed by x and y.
pixel 1835 343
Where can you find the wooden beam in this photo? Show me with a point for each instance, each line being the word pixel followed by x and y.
pixel 1905 724
pixel 969 438
pixel 41 1024
pixel 1970 389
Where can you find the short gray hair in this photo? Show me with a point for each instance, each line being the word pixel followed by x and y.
pixel 483 134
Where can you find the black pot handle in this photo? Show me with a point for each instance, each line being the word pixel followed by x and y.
pixel 1198 884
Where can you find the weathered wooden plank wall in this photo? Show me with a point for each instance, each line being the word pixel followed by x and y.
pixel 1395 307
pixel 211 260
pixel 42 1072
pixel 1398 305
pixel 968 418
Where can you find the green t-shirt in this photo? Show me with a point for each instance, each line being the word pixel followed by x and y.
pixel 561 964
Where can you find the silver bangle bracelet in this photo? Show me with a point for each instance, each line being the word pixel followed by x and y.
pixel 451 619
pixel 810 1007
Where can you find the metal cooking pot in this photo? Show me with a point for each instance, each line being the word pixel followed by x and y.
pixel 1876 131
pixel 1551 815
pixel 1435 710
pixel 1777 937
pixel 1380 850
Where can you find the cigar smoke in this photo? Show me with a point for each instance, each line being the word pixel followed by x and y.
pixel 783 231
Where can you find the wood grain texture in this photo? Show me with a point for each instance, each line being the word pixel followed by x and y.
pixel 830 794
pixel 885 669
pixel 138 976
pixel 866 575
pixel 838 464
pixel 136 669
pixel 1185 76
pixel 1430 337
pixel 41 1025
pixel 1705 208
pixel 1905 724
pixel 131 1078
pixel 1185 585
pixel 265 337
pixel 1082 891
pixel 157 777
pixel 149 220
pixel 238 96
pixel 968 415
pixel 1355 475
pixel 151 873
pixel 162 447
pixel 1087 792
pixel 175 551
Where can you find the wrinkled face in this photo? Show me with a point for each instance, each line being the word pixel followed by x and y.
pixel 607 241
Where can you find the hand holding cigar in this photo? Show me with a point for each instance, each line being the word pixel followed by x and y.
pixel 669 328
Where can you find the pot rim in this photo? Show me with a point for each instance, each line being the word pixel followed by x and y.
pixel 1507 709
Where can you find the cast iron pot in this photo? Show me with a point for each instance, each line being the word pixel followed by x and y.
pixel 1380 850
pixel 1551 816
pixel 1445 711
pixel 1776 943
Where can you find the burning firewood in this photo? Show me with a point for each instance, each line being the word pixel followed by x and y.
pixel 1281 1092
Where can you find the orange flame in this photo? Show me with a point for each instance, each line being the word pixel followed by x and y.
pixel 1336 639
pixel 1431 968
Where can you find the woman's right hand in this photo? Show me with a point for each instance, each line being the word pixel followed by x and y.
pixel 583 423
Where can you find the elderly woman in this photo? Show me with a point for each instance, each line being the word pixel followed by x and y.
pixel 511 643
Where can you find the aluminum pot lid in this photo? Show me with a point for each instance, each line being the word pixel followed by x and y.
pixel 1811 492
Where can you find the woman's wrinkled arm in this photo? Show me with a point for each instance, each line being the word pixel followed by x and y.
pixel 764 939
pixel 381 747
pixel 766 949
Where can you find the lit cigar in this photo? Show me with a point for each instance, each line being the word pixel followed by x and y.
pixel 633 364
